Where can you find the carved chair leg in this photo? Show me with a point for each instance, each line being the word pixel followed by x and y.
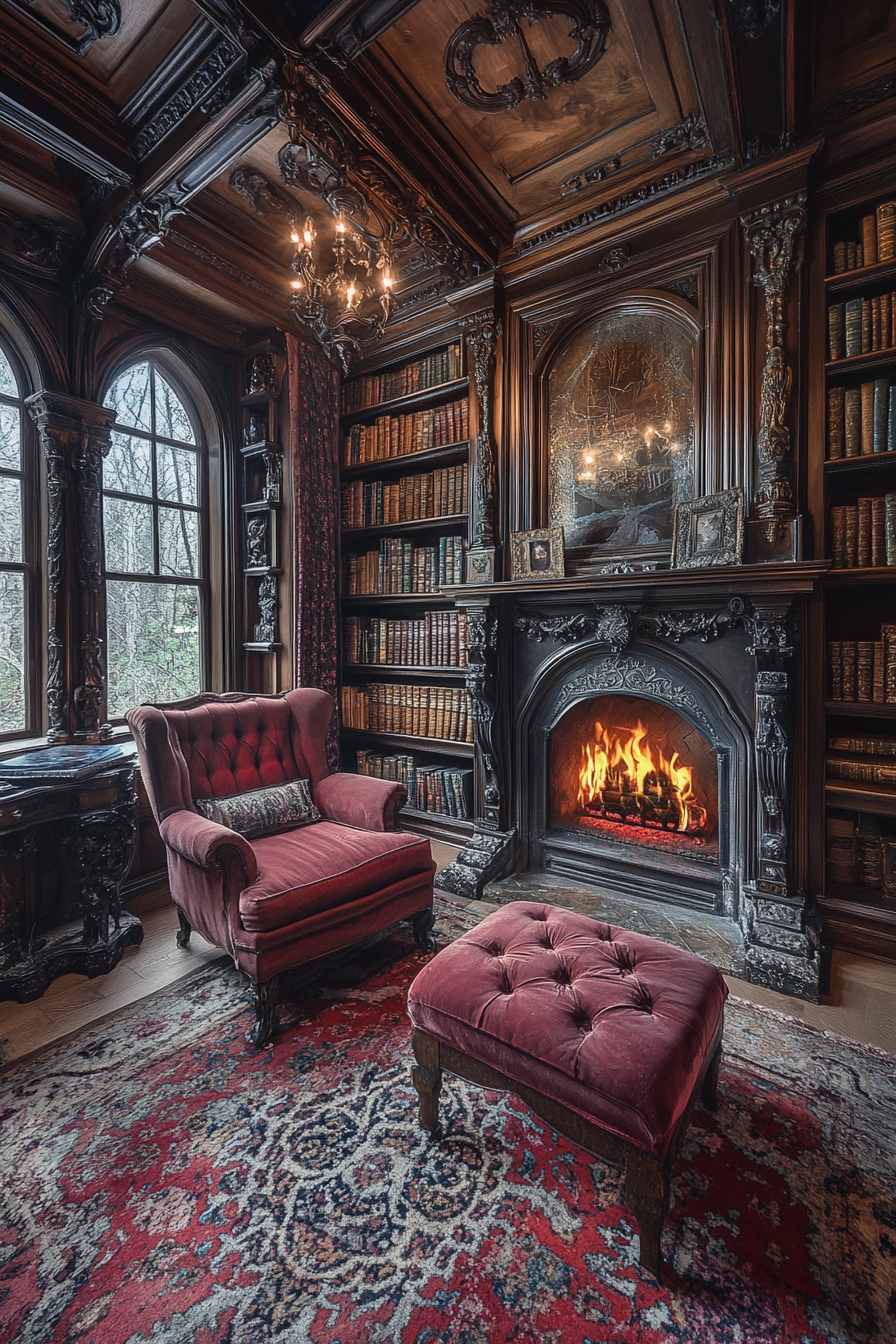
pixel 422 924
pixel 186 928
pixel 261 1033
pixel 709 1091
pixel 427 1077
pixel 647 1195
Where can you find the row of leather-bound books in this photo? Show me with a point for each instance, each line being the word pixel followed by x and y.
pixel 866 760
pixel 438 639
pixel 863 535
pixel 398 567
pixel 854 847
pixel 442 366
pixel 862 420
pixel 431 788
pixel 861 326
pixel 876 241
pixel 412 711
pixel 414 432
pixel 433 494
pixel 864 670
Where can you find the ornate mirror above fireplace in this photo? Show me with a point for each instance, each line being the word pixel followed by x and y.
pixel 622 426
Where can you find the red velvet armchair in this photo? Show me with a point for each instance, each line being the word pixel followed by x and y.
pixel 276 901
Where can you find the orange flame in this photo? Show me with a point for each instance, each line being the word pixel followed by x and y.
pixel 621 760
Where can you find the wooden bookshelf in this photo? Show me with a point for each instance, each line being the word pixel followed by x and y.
pixel 856 602
pixel 427 531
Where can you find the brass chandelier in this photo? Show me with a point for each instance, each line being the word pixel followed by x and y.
pixel 349 304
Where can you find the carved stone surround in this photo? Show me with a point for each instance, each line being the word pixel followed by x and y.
pixel 726 660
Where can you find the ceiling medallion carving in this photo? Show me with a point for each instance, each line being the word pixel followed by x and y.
pixel 500 23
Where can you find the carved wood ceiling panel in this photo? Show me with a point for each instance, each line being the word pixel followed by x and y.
pixel 640 86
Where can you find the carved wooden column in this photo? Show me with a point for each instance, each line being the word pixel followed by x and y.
pixel 482 332
pixel 75 436
pixel 783 943
pixel 772 234
pixel 489 851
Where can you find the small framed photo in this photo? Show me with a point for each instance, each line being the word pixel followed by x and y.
pixel 537 554
pixel 709 531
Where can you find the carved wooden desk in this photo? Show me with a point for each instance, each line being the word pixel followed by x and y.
pixel 64 848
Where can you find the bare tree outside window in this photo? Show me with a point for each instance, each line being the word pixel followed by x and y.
pixel 152 524
pixel 13 673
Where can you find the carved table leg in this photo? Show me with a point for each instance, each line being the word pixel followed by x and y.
pixel 186 928
pixel 422 924
pixel 427 1077
pixel 261 1033
pixel 709 1091
pixel 647 1195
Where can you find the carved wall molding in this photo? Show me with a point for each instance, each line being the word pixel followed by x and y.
pixel 692 133
pixel 266 630
pixel 264 198
pixel 541 331
pixel 636 676
pixel 772 234
pixel 219 263
pixel 98 18
pixel 847 105
pixel 482 332
pixel 429 294
pixel 75 436
pixel 500 24
pixel 589 176
pixel 42 241
pixel 191 94
pixel 687 286
pixel 661 186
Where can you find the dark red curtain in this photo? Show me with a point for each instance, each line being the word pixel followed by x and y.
pixel 314 440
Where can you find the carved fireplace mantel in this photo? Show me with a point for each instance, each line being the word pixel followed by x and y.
pixel 731 635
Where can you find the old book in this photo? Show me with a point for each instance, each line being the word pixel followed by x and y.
pixel 863 532
pixel 867 327
pixel 851 258
pixel 835 669
pixel 865 746
pixel 886 231
pixel 888 637
pixel 852 422
pixel 876 337
pixel 840 846
pixel 877 675
pixel 835 423
pixel 848 654
pixel 839 258
pixel 868 234
pixel 838 536
pixel 880 414
pixel 890 527
pixel 866 392
pixel 836 331
pixel 851 536
pixel 878 531
pixel 864 670
pixel 863 772
pixel 886 321
pixel 852 327
pixel 869 855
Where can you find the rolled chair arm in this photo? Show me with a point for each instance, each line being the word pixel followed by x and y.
pixel 202 841
pixel 360 800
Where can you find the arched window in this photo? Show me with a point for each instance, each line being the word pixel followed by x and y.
pixel 154 492
pixel 15 571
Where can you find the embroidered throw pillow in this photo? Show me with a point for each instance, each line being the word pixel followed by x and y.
pixel 263 811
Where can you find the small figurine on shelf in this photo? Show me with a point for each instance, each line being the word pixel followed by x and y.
pixel 257 541
pixel 272 475
pixel 255 430
pixel 266 629
pixel 262 376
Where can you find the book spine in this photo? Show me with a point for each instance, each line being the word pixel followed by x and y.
pixel 836 330
pixel 863 533
pixel 868 234
pixel 852 328
pixel 835 423
pixel 852 422
pixel 880 413
pixel 867 396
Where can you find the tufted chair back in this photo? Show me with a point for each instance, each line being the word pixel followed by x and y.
pixel 213 746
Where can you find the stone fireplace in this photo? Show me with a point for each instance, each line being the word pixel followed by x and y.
pixel 637 733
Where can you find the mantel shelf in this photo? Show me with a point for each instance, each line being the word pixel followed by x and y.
pixel 773 581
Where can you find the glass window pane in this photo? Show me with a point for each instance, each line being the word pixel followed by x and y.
pixel 153 642
pixel 128 465
pixel 8 384
pixel 129 397
pixel 12 653
pixel 128 527
pixel 177 468
pixel 10 520
pixel 172 421
pixel 179 542
pixel 10 438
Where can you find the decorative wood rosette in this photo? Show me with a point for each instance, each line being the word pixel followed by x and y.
pixel 502 22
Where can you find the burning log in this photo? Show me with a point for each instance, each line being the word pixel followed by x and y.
pixel 628 780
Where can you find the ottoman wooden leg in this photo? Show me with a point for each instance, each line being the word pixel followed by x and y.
pixel 709 1092
pixel 647 1195
pixel 427 1076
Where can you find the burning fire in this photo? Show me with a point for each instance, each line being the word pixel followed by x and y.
pixel 622 777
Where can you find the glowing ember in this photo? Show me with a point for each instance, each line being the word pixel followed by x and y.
pixel 623 778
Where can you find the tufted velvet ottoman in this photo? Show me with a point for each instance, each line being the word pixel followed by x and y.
pixel 609 1036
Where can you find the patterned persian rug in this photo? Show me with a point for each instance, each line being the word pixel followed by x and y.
pixel 163 1182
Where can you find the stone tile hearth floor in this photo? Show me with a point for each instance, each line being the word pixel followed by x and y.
pixel 712 937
